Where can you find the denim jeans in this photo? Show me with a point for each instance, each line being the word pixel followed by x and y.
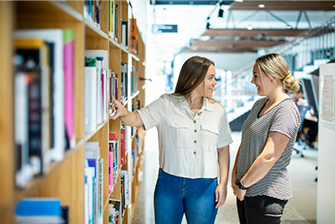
pixel 175 196
pixel 260 210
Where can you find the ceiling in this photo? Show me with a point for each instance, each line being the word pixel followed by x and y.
pixel 230 34
pixel 284 5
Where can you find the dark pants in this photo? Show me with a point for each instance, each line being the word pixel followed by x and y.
pixel 260 210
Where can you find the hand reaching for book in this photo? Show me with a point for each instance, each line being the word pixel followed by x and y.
pixel 117 109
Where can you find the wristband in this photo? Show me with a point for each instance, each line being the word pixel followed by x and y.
pixel 241 186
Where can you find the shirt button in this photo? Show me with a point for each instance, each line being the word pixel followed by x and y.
pixel 194 152
pixel 194 121
pixel 195 131
pixel 195 141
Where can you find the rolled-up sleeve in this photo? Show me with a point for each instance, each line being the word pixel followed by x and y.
pixel 225 132
pixel 152 114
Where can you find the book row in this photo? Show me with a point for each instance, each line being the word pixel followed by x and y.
pixel 92 13
pixel 44 97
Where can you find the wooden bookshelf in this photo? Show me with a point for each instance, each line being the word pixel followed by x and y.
pixel 66 178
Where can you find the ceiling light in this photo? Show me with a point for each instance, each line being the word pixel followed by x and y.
pixel 261 6
pixel 220 15
pixel 249 27
pixel 288 27
pixel 238 0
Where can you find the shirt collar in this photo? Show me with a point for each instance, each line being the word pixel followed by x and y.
pixel 206 105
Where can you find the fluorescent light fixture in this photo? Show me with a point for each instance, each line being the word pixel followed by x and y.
pixel 261 6
pixel 249 27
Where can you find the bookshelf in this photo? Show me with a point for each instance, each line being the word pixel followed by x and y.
pixel 65 180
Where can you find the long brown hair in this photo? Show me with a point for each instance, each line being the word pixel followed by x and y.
pixel 192 73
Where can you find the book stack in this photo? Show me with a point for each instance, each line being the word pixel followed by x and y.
pixel 39 210
pixel 44 122
pixel 94 181
pixel 113 164
pixel 96 93
pixel 92 12
pixel 113 19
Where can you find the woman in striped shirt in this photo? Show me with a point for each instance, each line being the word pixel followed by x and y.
pixel 259 178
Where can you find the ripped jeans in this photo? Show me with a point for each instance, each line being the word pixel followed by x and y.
pixel 260 210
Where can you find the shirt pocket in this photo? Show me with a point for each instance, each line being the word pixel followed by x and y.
pixel 209 138
pixel 179 133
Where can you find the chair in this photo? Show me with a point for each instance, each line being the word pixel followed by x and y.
pixel 302 111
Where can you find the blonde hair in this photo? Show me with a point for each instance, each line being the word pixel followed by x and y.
pixel 274 65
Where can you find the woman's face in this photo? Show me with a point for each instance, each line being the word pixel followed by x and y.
pixel 206 87
pixel 262 82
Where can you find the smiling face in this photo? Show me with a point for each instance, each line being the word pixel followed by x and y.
pixel 262 82
pixel 206 87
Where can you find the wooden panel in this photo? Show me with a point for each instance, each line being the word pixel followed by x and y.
pixel 285 5
pixel 6 115
pixel 255 33
pixel 77 5
pixel 47 11
pixel 235 44
pixel 79 80
pixel 66 183
pixel 219 50
pixel 104 16
pixel 94 43
pixel 230 46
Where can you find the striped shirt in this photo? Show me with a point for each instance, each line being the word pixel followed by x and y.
pixel 283 118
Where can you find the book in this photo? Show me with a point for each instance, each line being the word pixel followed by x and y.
pixel 68 60
pixel 23 171
pixel 102 64
pixel 123 145
pixel 39 210
pixel 92 156
pixel 124 33
pixel 114 211
pixel 90 95
pixel 34 57
pixel 54 36
pixel 110 170
pixel 133 37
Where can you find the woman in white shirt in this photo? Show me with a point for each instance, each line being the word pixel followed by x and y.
pixel 194 138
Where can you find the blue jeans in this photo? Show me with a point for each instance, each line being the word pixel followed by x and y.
pixel 175 196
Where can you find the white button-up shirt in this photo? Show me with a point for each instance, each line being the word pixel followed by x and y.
pixel 187 145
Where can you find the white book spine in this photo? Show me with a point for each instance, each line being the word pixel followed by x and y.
pixel 90 109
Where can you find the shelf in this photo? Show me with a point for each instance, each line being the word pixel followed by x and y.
pixel 89 135
pixel 37 181
pixel 135 94
pixel 45 11
pixel 65 179
pixel 114 43
pixel 134 57
pixel 93 31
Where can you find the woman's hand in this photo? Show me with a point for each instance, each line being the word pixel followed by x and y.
pixel 240 194
pixel 220 195
pixel 118 110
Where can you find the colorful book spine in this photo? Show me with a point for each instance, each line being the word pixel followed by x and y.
pixel 69 86
pixel 110 169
